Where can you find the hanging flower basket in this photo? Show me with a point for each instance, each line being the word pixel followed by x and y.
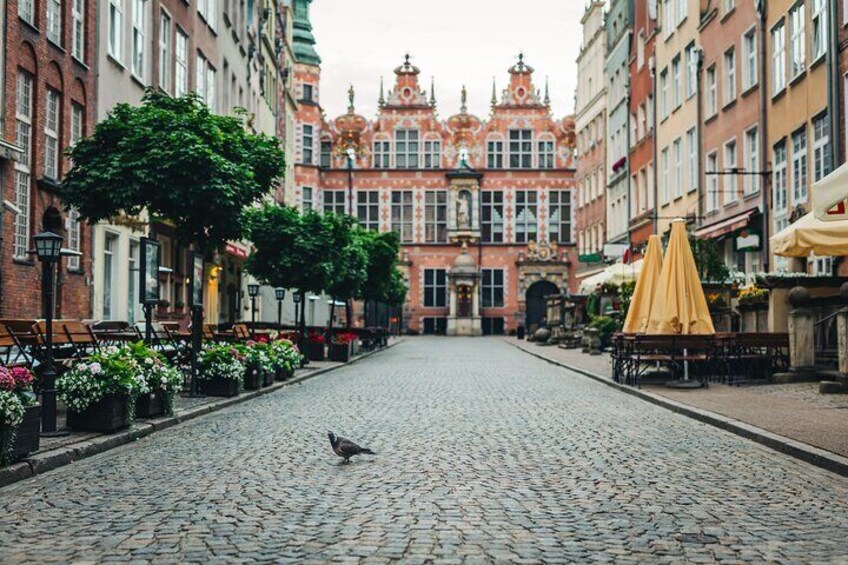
pixel 111 413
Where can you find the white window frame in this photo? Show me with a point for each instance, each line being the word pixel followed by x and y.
pixel 26 11
pixel 779 185
pixel 778 57
pixel 77 123
pixel 750 71
pixel 664 94
pixel 138 63
pixel 307 140
pixel 521 148
pixel 407 148
pixel 665 176
pixel 52 120
pixel 78 29
pixel 435 216
pixel 166 25
pixel 334 202
pixel 23 173
pixel 559 216
pixel 751 150
pixel 692 146
pixel 74 238
pixel 495 153
pixel 435 285
pixel 730 186
pixel 492 281
pixel 403 215
pixel 729 65
pixel 368 209
pixel 181 50
pixel 382 153
pixel 432 153
pixel 677 146
pixel 797 41
pixel 546 153
pixel 800 164
pixel 691 71
pixel 526 216
pixel 54 21
pixel 492 216
pixel 711 166
pixel 116 30
pixel 821 146
pixel 819 18
pixel 712 92
pixel 676 83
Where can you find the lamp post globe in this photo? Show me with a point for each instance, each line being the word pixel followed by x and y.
pixel 48 247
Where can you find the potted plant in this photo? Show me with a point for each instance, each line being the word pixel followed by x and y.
pixel 100 392
pixel 163 382
pixel 340 347
pixel 221 370
pixel 11 417
pixel 753 294
pixel 18 380
pixel 315 347
pixel 257 365
pixel 285 357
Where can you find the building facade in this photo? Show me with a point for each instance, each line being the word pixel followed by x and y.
pixel 642 125
pixel 732 107
pixel 48 103
pixel 619 27
pixel 590 123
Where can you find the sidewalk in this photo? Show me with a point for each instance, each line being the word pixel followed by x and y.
pixel 58 451
pixel 795 411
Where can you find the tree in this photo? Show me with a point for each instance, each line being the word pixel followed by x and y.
pixel 176 159
pixel 350 259
pixel 382 250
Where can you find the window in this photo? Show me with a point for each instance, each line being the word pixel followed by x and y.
pixel 74 239
pixel 308 141
pixel 165 52
pixel 435 288
pixel 559 216
pixel 691 71
pixel 492 216
pixel 729 76
pixel 138 39
pixel 494 154
pixel 77 123
pixel 306 199
pixel 546 154
pixel 211 81
pixel 752 160
pixel 525 215
pixel 668 18
pixel 712 181
pixel 712 92
pixel 799 166
pixel 326 154
pixel 819 18
pixel 678 168
pixel 54 21
pixel 778 56
pixel 665 179
pixel 23 133
pixel 435 216
pixel 432 154
pixel 664 94
pixel 730 177
pixel 381 154
pixel 368 209
pixel 335 202
pixel 206 8
pixel 493 288
pixel 676 84
pixel 78 29
pixel 26 11
pixel 181 64
pixel 402 214
pixel 797 59
pixel 116 29
pixel 521 148
pixel 51 136
pixel 821 147
pixel 406 149
pixel 749 64
pixel 110 245
pixel 682 9
pixel 692 146
pixel 307 93
pixel 729 5
pixel 780 189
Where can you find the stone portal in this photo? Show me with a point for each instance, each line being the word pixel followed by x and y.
pixel 463 284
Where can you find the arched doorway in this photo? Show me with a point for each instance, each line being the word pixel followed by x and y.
pixel 535 304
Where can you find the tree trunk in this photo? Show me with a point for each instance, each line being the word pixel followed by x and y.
pixel 348 310
pixel 302 321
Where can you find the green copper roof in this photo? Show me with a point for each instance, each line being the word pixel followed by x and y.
pixel 304 41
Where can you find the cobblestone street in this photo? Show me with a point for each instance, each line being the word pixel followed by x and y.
pixel 484 453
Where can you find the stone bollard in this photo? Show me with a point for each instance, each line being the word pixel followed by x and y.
pixel 842 331
pixel 802 346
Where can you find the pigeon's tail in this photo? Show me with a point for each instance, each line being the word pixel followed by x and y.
pixel 367 451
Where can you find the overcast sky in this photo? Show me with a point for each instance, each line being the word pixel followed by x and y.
pixel 456 41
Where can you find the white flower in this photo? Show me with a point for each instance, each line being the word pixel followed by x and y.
pixel 95 368
pixel 148 361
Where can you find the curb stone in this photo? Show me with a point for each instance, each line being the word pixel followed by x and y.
pixel 810 454
pixel 61 456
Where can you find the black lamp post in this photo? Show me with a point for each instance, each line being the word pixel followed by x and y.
pixel 48 248
pixel 280 293
pixel 296 299
pixel 253 292
pixel 195 296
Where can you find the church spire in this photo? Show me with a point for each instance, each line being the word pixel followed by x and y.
pixel 303 42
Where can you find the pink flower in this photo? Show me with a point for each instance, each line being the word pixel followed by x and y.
pixel 23 376
pixel 7 381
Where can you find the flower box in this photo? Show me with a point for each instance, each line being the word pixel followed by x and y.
pixel 253 378
pixel 315 351
pixel 270 377
pixel 109 414
pixel 340 352
pixel 219 386
pixel 283 373
pixel 151 405
pixel 28 433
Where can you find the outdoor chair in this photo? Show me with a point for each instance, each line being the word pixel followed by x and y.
pixel 64 352
pixel 241 332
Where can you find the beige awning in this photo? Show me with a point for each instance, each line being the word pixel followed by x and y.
pixel 829 193
pixel 811 235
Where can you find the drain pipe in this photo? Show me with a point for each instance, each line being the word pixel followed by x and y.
pixel 833 85
pixel 764 151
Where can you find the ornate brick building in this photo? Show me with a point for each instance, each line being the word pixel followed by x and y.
pixel 483 207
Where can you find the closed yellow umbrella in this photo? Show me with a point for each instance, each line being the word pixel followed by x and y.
pixel 646 286
pixel 811 235
pixel 680 306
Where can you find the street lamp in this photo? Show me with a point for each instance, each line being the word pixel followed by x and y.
pixel 48 248
pixel 253 292
pixel 296 298
pixel 280 293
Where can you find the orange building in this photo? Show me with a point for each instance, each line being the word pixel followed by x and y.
pixel 483 207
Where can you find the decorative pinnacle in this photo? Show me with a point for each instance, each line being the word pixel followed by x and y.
pixel 521 60
pixel 350 97
pixel 547 93
pixel 494 93
pixel 382 100
pixel 432 92
pixel 464 98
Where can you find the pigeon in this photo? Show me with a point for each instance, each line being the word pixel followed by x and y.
pixel 346 448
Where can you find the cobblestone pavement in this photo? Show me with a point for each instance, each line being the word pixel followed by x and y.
pixel 484 454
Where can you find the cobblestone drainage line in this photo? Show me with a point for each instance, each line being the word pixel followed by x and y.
pixel 61 456
pixel 805 452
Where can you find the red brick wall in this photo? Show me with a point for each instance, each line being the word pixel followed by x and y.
pixel 52 67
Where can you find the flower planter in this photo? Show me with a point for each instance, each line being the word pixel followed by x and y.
pixel 109 414
pixel 253 379
pixel 219 386
pixel 151 405
pixel 28 433
pixel 283 373
pixel 269 378
pixel 315 351
pixel 340 352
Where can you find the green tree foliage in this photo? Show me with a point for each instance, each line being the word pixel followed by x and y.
pixel 709 260
pixel 382 250
pixel 176 159
pixel 395 294
pixel 348 254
